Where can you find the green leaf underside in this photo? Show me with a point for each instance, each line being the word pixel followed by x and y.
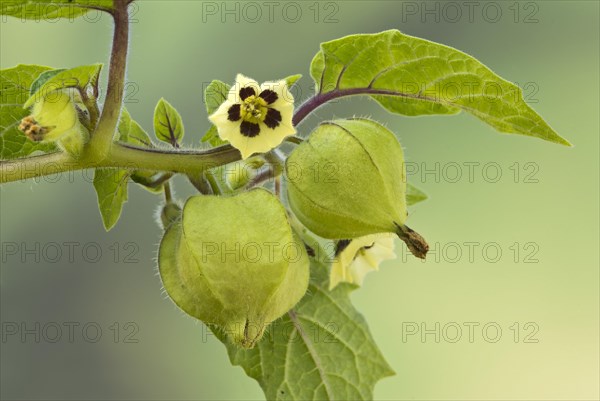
pixel 79 77
pixel 52 9
pixel 168 126
pixel 321 350
pixel 413 76
pixel 414 195
pixel 111 188
pixel 15 84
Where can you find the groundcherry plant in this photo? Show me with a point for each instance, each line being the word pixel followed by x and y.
pixel 266 253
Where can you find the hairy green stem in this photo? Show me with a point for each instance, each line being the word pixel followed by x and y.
pixel 102 138
pixel 37 166
pixel 215 187
pixel 265 174
pixel 276 159
pixel 154 181
pixel 277 186
pixel 168 194
pixel 320 99
pixel 200 182
pixel 176 161
pixel 294 139
pixel 120 156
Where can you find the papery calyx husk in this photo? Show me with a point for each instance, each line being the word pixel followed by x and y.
pixel 234 262
pixel 348 180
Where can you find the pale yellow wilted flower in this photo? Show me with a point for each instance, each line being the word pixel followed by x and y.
pixel 355 258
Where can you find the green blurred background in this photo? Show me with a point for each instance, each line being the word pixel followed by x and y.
pixel 545 201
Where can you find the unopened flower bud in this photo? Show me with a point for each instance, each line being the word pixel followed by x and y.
pixel 56 118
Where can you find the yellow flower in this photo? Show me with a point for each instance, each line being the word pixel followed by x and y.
pixel 355 258
pixel 255 118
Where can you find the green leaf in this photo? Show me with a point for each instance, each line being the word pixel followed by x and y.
pixel 79 77
pixel 212 137
pixel 42 79
pixel 168 126
pixel 15 84
pixel 413 76
pixel 131 132
pixel 214 94
pixel 321 350
pixel 145 179
pixel 414 195
pixel 111 184
pixel 292 79
pixel 111 188
pixel 52 9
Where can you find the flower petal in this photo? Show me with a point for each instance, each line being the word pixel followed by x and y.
pixel 225 127
pixel 287 112
pixel 249 145
pixel 221 115
pixel 361 256
pixel 284 96
pixel 241 82
pixel 269 96
pixel 274 137
pixel 284 105
pixel 273 118
pixel 233 112
pixel 285 127
pixel 249 130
